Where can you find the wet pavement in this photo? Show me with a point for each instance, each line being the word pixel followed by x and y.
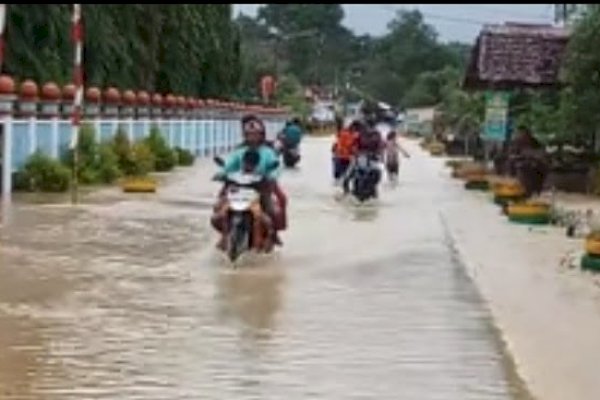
pixel 124 297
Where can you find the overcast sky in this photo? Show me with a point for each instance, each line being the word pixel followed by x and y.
pixel 452 21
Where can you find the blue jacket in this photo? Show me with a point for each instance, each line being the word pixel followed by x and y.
pixel 292 134
pixel 267 157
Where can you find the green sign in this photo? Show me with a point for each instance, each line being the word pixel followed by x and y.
pixel 496 115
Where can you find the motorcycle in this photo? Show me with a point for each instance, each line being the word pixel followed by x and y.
pixel 365 178
pixel 245 230
pixel 289 154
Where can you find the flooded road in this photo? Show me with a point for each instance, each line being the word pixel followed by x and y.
pixel 125 298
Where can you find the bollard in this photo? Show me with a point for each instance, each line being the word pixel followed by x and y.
pixel 190 126
pixel 68 96
pixel 110 113
pixel 28 99
pixel 169 104
pixel 128 105
pixel 27 109
pixel 112 103
pixel 50 109
pixel 157 107
pixel 91 109
pixel 128 112
pixel 93 97
pixel 142 111
pixel 50 101
pixel 203 126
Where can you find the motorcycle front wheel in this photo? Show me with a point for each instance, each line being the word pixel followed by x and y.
pixel 239 237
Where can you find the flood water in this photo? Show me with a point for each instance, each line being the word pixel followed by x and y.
pixel 125 298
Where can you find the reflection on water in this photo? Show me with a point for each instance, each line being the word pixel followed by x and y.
pixel 252 297
pixel 128 300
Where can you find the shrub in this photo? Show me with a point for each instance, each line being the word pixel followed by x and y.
pixel 184 157
pixel 107 164
pixel 43 174
pixel 88 150
pixel 166 159
pixel 122 149
pixel 133 160
pixel 143 160
pixel 97 162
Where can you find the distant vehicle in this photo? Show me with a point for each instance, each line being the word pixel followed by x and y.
pixel 323 112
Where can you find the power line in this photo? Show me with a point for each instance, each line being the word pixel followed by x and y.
pixel 512 12
pixel 447 18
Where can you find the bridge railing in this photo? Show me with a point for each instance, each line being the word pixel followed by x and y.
pixel 34 119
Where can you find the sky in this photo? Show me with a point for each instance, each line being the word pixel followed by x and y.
pixel 453 22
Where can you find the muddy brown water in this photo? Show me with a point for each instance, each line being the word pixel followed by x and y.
pixel 123 297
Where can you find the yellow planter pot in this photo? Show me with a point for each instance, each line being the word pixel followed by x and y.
pixel 436 148
pixel 470 171
pixel 477 183
pixel 592 245
pixel 475 176
pixel 510 189
pixel 528 208
pixel 139 185
pixel 529 212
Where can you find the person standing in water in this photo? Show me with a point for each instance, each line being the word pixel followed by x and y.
pixel 392 159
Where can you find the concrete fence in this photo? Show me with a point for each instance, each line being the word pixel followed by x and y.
pixel 40 120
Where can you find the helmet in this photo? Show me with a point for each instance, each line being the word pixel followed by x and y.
pixel 357 126
pixel 251 123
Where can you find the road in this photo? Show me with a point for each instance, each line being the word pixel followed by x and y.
pixel 125 297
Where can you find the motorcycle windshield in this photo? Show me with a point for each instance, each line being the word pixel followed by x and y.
pixel 244 179
pixel 362 161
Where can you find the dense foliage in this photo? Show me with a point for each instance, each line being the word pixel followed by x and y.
pixel 312 47
pixel 179 48
pixel 41 173
pixel 101 163
pixel 165 158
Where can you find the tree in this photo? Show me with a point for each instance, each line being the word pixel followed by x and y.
pixel 290 93
pixel 409 50
pixel 312 39
pixel 583 75
pixel 179 48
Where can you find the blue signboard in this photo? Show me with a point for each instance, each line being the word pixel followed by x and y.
pixel 496 116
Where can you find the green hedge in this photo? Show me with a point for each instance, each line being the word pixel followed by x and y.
pixel 41 173
pixel 165 158
pixel 184 157
pixel 102 163
pixel 133 160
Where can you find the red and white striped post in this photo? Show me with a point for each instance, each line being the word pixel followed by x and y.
pixel 77 36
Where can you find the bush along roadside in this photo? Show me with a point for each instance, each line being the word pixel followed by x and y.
pixel 101 163
pixel 133 159
pixel 98 163
pixel 185 158
pixel 165 158
pixel 43 174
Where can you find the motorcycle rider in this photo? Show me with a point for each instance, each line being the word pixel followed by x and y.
pixel 392 149
pixel 343 148
pixel 255 139
pixel 370 143
pixel 291 135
